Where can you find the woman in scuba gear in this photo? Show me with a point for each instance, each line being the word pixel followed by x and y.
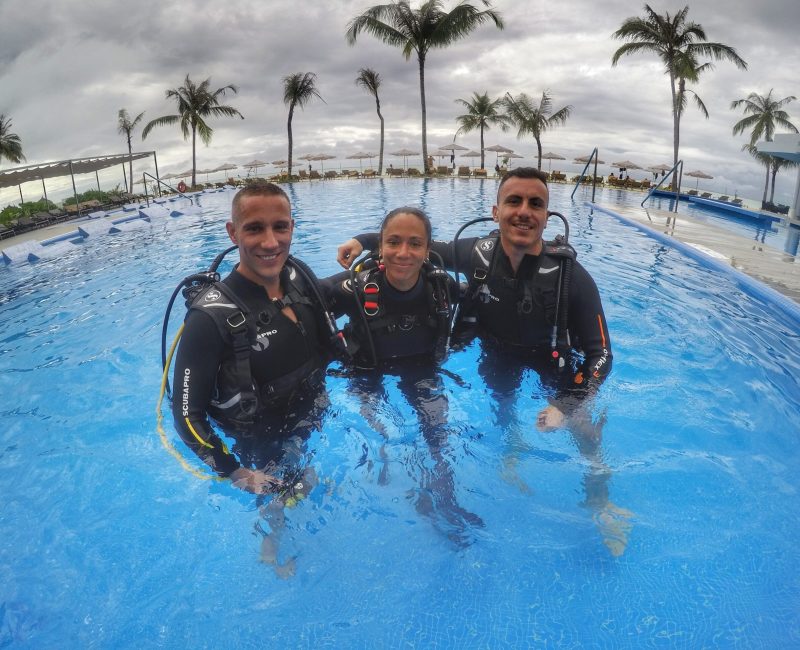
pixel 399 309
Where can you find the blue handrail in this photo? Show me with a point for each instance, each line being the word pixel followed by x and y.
pixel 159 183
pixel 677 166
pixel 594 175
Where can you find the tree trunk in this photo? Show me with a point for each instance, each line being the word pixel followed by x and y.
pixel 421 58
pixel 539 152
pixel 130 164
pixel 483 166
pixel 676 128
pixel 289 131
pixel 194 154
pixel 766 187
pixel 380 155
pixel 772 187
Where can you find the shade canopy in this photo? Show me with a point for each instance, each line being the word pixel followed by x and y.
pixel 452 147
pixel 660 168
pixel 226 167
pixel 625 164
pixel 471 154
pixel 498 148
pixel 698 174
pixel 552 156
pixel 586 159
pixel 74 166
pixel 255 163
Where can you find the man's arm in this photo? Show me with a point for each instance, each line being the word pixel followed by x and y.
pixel 197 362
pixel 588 327
pixel 348 252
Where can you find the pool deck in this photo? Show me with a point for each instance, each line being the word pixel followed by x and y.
pixel 773 267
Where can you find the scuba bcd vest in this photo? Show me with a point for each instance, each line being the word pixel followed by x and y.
pixel 541 298
pixel 430 328
pixel 238 399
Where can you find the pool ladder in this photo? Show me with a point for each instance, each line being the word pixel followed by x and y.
pixel 675 172
pixel 159 183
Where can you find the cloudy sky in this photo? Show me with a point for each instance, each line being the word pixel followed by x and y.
pixel 67 67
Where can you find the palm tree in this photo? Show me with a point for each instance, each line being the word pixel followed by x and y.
pixel 419 30
pixel 482 113
pixel 678 44
pixel 298 89
pixel 534 120
pixel 775 166
pixel 370 81
pixel 125 126
pixel 10 144
pixel 688 70
pixel 764 115
pixel 195 104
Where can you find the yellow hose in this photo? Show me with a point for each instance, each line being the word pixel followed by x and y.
pixel 160 420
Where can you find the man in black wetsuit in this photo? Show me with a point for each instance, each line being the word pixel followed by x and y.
pixel 253 350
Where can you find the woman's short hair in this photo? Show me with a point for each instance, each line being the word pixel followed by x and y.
pixel 419 214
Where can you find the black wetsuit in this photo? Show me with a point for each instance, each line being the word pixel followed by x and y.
pixel 407 331
pixel 286 360
pixel 402 323
pixel 501 320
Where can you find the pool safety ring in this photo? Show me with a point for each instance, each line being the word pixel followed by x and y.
pixel 181 187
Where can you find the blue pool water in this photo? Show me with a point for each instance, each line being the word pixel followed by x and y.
pixel 106 542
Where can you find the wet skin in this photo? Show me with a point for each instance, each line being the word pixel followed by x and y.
pixel 262 228
pixel 521 214
pixel 404 247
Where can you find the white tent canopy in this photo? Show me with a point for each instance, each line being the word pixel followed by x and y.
pixel 19 175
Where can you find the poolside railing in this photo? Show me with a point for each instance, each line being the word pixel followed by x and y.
pixel 675 172
pixel 582 175
pixel 159 183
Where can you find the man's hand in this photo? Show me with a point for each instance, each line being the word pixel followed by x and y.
pixel 253 480
pixel 550 418
pixel 348 252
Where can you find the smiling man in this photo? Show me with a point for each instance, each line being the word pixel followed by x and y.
pixel 254 347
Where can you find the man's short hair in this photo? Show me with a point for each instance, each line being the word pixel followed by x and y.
pixel 258 188
pixel 523 172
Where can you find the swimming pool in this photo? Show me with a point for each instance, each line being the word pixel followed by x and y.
pixel 106 541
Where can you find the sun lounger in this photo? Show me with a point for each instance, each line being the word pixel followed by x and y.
pixel 723 198
pixel 705 195
pixel 331 174
pixel 443 170
pixel 413 171
pixel 5 231
pixel 314 175
pixel 736 201
pixel 480 173
pixel 464 171
pixel 692 192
